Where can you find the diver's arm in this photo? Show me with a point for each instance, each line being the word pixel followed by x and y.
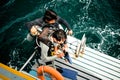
pixel 34 22
pixel 65 23
pixel 44 53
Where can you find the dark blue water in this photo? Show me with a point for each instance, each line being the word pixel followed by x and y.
pixel 98 19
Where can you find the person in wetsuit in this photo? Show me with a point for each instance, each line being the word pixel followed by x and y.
pixel 49 24
pixel 50 47
pixel 50 18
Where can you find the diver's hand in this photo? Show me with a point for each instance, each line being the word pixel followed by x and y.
pixel 34 30
pixel 60 55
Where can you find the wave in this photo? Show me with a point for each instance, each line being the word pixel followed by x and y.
pixel 20 19
pixel 10 2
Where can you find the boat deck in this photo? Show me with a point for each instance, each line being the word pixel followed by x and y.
pixel 92 65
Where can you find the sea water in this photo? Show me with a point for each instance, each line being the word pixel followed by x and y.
pixel 98 19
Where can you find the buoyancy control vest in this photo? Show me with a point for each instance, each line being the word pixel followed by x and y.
pixel 52 46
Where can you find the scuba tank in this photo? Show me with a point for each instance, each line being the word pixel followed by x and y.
pixel 29 37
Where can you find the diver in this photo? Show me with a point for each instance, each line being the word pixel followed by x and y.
pixel 53 47
pixel 50 18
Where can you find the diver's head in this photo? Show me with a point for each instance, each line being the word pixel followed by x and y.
pixel 59 36
pixel 50 16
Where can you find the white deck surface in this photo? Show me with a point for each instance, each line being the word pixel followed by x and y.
pixel 93 65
